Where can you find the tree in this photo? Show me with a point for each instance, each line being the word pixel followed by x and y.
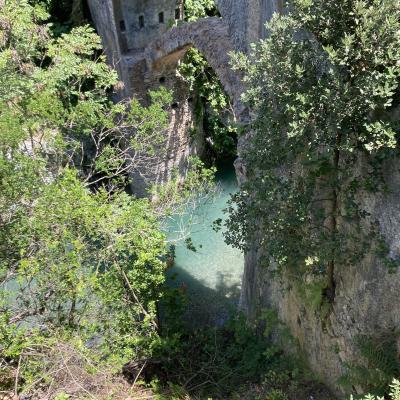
pixel 394 392
pixel 81 262
pixel 214 109
pixel 323 88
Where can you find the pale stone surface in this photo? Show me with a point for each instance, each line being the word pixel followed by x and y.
pixel 139 22
pixel 246 19
pixel 367 298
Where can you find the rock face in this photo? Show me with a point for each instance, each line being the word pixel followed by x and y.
pixel 367 300
pixel 246 19
pixel 366 296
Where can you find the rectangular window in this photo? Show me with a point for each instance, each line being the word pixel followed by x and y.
pixel 161 17
pixel 122 26
pixel 141 21
pixel 178 13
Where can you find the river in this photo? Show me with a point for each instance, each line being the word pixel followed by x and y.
pixel 211 276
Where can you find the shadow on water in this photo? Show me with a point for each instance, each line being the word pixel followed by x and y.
pixel 205 306
pixel 210 276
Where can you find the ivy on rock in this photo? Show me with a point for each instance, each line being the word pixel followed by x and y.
pixel 214 110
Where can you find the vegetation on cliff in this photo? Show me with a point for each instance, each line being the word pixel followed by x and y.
pixel 214 108
pixel 394 393
pixel 324 87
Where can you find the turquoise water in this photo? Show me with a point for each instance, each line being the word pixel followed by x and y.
pixel 212 275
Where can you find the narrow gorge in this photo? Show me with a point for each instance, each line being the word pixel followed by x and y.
pixel 199 199
pixel 366 300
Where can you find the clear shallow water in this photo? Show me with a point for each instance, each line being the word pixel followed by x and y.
pixel 212 275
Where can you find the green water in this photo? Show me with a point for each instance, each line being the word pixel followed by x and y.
pixel 212 275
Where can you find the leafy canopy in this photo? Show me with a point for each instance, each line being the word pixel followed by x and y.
pixel 324 90
pixel 214 110
pixel 81 262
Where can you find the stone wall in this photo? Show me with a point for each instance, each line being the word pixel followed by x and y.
pixel 140 22
pixel 146 52
pixel 212 38
pixel 127 27
pixel 184 136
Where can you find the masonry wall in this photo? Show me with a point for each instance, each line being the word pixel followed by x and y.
pixel 127 27
pixel 184 136
pixel 140 22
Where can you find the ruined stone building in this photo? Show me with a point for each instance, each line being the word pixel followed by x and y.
pixel 127 28
pixel 140 22
pixel 145 40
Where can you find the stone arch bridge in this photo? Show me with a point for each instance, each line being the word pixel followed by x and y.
pixel 211 37
pixel 145 68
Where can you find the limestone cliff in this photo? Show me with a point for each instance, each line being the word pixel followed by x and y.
pixel 246 19
pixel 366 298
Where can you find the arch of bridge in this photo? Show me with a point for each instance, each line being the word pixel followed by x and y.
pixel 210 36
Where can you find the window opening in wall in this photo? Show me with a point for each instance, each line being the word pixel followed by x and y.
pixel 161 17
pixel 178 13
pixel 122 26
pixel 141 21
pixel 162 79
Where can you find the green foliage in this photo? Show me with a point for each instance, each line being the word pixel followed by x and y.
pixel 180 193
pixel 378 365
pixel 393 395
pixel 81 267
pixel 203 81
pixel 323 88
pixel 215 362
pixel 195 9
pixel 82 263
pixel 276 394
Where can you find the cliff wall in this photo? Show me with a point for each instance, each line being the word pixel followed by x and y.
pixel 367 297
pixel 367 300
pixel 246 19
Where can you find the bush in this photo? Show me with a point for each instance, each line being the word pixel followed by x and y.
pixel 394 393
